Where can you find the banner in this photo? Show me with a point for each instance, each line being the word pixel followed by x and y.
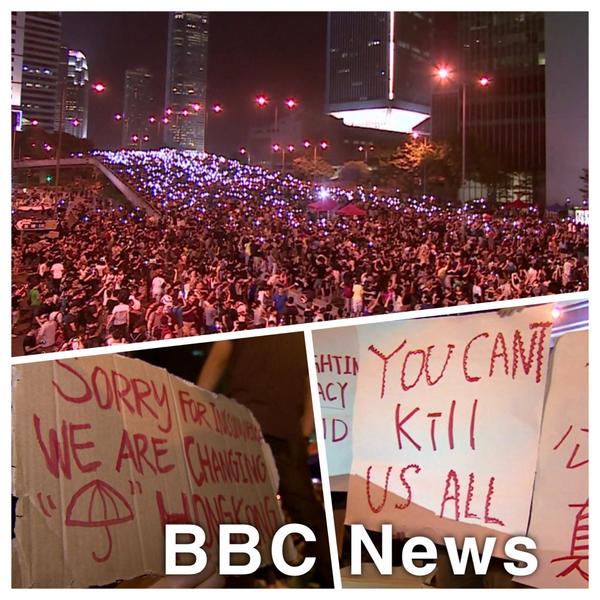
pixel 107 450
pixel 560 511
pixel 336 360
pixel 446 424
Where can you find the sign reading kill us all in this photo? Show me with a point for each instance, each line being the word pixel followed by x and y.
pixel 560 511
pixel 446 424
pixel 107 450
pixel 336 359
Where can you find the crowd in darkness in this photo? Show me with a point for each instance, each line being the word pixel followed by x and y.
pixel 233 247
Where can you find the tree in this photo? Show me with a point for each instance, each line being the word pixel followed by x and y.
pixel 584 186
pixel 423 166
pixel 307 168
pixel 355 171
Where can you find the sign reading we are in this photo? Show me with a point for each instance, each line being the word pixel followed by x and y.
pixel 446 423
pixel 107 450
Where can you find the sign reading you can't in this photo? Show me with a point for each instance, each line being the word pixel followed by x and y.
pixel 108 450
pixel 446 424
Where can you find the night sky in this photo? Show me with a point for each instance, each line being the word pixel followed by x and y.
pixel 279 54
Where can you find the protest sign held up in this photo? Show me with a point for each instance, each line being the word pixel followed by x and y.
pixel 447 419
pixel 107 450
pixel 560 511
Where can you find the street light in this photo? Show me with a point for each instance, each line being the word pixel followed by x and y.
pixel 365 149
pixel 444 73
pixel 262 101
pixel 246 153
pixel 217 108
pixel 279 148
pixel 323 145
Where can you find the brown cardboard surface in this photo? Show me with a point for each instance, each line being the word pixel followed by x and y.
pixel 106 450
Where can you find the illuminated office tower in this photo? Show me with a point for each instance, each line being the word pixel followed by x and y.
pixel 185 93
pixel 379 69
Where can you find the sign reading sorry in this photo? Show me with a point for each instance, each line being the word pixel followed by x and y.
pixel 108 450
pixel 446 424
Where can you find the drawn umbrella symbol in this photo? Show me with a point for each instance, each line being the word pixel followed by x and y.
pixel 98 504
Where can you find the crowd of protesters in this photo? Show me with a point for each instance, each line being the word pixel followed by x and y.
pixel 237 247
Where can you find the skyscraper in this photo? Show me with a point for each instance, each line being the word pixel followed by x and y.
pixel 185 94
pixel 16 60
pixel 74 78
pixel 137 107
pixel 567 110
pixel 379 69
pixel 40 66
pixel 504 122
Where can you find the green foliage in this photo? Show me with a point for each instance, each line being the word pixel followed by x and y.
pixel 584 189
pixel 305 167
pixel 355 171
pixel 422 166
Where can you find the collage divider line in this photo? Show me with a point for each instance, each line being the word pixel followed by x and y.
pixel 304 327
pixel 324 467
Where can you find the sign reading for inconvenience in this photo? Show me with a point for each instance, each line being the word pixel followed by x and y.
pixel 107 450
pixel 447 420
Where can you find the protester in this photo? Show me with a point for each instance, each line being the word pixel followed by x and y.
pixel 232 245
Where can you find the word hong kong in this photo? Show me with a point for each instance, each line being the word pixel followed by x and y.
pixel 110 452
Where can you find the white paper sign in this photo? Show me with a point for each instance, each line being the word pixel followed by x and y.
pixel 336 360
pixel 447 423
pixel 559 515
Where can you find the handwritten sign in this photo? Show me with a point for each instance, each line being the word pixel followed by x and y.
pixel 336 360
pixel 107 450
pixel 446 424
pixel 560 512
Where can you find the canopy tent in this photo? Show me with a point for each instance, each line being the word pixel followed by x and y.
pixel 323 205
pixel 351 210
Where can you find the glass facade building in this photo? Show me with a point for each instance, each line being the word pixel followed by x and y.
pixel 379 69
pixel 185 93
pixel 75 79
pixel 40 60
pixel 137 109
pixel 506 119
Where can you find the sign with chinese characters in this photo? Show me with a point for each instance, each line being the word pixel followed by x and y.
pixel 560 511
pixel 446 424
pixel 107 450
pixel 336 360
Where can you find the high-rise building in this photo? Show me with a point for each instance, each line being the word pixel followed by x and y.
pixel 137 108
pixel 185 93
pixel 40 66
pixel 379 69
pixel 74 81
pixel 567 110
pixel 16 64
pixel 504 120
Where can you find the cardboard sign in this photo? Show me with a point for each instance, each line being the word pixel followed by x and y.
pixel 560 512
pixel 336 360
pixel 446 424
pixel 107 450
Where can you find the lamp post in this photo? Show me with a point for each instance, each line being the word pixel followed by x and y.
pixel 323 145
pixel 278 148
pixel 365 148
pixel 262 101
pixel 246 153
pixel 444 73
